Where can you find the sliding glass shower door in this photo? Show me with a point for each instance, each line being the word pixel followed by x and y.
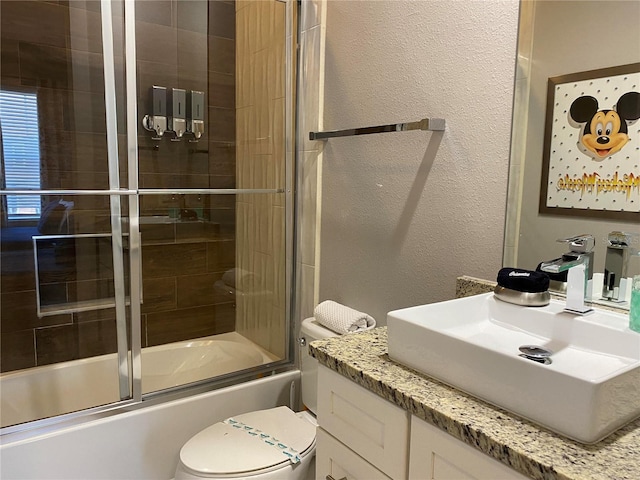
pixel 64 238
pixel 146 198
pixel 213 200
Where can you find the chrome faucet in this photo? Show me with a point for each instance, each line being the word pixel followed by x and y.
pixel 615 266
pixel 578 263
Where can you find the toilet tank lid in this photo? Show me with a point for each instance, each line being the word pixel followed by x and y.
pixel 225 448
pixel 311 329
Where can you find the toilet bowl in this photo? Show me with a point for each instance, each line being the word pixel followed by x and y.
pixel 272 444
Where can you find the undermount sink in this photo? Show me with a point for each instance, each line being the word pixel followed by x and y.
pixel 590 388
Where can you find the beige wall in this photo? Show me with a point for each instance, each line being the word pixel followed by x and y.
pixel 309 154
pixel 404 214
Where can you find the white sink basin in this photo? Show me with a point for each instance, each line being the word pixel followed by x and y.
pixel 590 388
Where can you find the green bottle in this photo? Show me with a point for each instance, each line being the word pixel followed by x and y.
pixel 634 307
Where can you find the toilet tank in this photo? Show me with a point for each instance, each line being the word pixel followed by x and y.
pixel 310 331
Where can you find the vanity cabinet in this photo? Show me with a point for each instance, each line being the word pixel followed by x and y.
pixel 361 436
pixel 436 455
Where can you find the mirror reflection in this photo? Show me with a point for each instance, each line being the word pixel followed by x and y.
pixel 559 39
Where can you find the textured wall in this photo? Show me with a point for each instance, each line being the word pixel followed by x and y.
pixel 403 214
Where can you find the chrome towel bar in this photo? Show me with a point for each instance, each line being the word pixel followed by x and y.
pixel 433 124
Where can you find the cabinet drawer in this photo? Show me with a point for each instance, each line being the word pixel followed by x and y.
pixel 372 427
pixel 335 459
pixel 436 455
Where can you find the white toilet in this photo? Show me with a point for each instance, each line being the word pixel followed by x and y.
pixel 258 445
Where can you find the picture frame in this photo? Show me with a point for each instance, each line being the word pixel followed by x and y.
pixel 585 173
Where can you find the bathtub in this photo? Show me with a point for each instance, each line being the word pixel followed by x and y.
pixel 50 390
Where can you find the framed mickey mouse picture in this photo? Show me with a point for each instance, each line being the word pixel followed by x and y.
pixel 591 162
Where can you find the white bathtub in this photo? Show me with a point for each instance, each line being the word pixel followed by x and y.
pixel 139 444
pixel 50 390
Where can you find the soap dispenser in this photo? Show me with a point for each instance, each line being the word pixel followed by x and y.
pixel 178 109
pixel 195 114
pixel 156 121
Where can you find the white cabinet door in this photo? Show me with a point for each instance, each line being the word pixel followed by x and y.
pixel 335 460
pixel 436 455
pixel 371 426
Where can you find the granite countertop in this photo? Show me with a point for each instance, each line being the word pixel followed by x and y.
pixel 529 449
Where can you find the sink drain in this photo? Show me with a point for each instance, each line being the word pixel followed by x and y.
pixel 536 353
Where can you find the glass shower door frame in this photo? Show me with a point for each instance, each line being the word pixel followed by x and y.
pixel 124 370
pixel 129 339
pixel 135 243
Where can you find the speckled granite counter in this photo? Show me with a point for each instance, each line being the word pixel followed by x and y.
pixel 466 286
pixel 529 449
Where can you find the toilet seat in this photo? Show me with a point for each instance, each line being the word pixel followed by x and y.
pixel 229 450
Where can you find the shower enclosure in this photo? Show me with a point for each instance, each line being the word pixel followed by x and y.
pixel 146 207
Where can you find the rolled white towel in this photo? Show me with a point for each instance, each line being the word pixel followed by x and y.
pixel 342 319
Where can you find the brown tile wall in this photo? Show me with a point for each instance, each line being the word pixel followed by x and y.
pixel 55 49
pixel 261 137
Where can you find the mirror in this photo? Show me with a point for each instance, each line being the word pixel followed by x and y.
pixel 560 38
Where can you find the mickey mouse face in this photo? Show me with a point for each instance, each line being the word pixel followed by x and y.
pixel 605 134
pixel 605 131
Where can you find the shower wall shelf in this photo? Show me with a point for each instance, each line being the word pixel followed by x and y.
pixel 70 307
pixel 431 124
pixel 82 306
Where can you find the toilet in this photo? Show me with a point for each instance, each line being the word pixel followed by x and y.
pixel 263 445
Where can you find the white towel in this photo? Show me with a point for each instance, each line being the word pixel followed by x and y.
pixel 342 319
